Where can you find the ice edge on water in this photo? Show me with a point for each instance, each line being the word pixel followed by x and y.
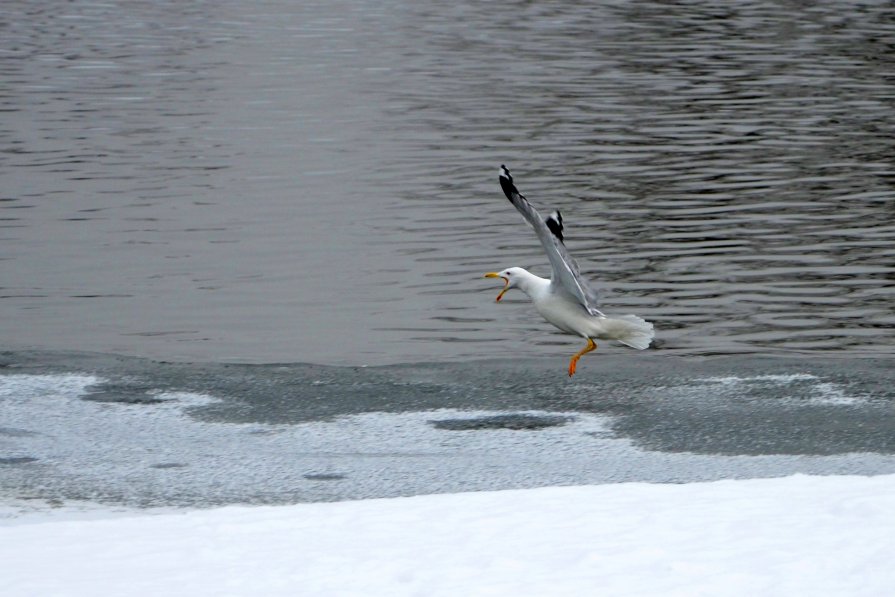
pixel 818 392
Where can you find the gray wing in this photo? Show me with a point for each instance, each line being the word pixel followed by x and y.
pixel 565 270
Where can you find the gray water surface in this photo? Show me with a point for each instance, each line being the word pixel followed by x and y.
pixel 316 181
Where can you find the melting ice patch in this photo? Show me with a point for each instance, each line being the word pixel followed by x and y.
pixel 183 399
pixel 30 387
pixel 782 379
pixel 119 441
pixel 802 387
pixel 78 438
pixel 56 387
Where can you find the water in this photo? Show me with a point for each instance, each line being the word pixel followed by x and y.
pixel 315 183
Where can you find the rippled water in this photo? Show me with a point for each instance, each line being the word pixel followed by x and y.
pixel 316 181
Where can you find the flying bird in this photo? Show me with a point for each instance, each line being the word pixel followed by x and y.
pixel 565 300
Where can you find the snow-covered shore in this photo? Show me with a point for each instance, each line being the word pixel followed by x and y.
pixel 797 535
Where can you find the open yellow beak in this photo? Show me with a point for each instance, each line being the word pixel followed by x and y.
pixel 505 287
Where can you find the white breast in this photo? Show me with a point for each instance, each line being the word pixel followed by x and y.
pixel 568 315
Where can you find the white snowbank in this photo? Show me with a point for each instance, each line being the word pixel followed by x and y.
pixel 791 536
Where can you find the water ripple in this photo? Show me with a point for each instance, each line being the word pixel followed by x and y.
pixel 316 180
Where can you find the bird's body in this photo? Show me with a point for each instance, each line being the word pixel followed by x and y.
pixel 566 301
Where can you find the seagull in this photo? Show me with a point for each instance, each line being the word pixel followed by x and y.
pixel 565 300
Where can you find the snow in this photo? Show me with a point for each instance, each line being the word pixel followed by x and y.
pixel 798 535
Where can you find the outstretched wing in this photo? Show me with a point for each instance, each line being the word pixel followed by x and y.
pixel 566 276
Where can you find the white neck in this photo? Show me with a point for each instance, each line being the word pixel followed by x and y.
pixel 531 284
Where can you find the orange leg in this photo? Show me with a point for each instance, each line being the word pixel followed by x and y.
pixel 591 345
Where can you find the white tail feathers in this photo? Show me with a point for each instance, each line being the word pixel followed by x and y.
pixel 638 333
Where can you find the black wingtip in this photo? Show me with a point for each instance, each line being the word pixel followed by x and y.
pixel 554 224
pixel 506 183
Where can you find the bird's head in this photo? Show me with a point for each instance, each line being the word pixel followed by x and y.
pixel 511 277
